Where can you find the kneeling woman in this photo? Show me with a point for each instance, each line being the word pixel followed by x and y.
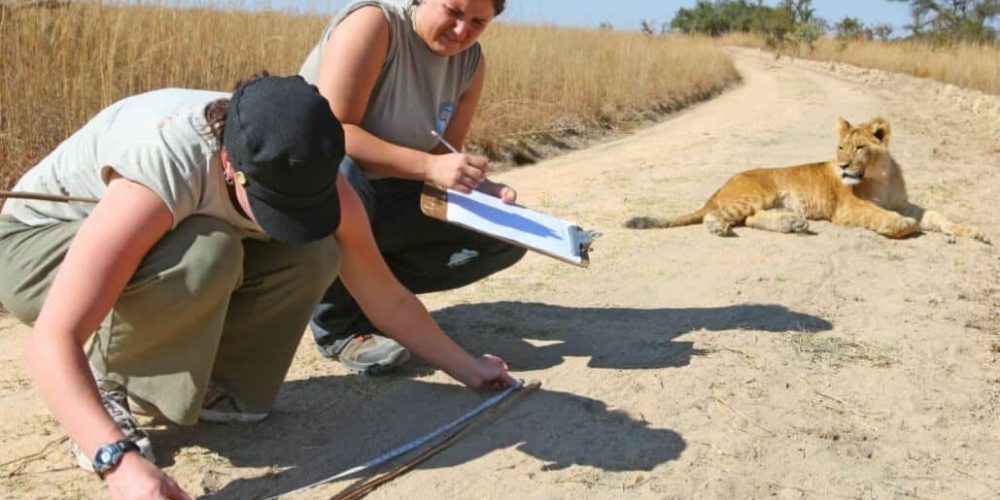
pixel 198 267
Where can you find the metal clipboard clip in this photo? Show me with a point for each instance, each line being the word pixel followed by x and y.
pixel 583 239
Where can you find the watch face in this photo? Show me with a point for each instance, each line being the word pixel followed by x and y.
pixel 107 457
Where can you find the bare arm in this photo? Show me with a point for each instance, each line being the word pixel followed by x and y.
pixel 102 258
pixel 395 310
pixel 353 56
pixel 458 130
pixel 465 111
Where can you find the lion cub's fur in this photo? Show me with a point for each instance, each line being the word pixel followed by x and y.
pixel 863 186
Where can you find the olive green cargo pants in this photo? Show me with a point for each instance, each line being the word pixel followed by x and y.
pixel 205 304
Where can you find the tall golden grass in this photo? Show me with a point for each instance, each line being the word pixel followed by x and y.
pixel 61 66
pixel 544 80
pixel 975 66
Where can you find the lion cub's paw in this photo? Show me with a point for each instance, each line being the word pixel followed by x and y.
pixel 794 225
pixel 901 227
pixel 717 227
pixel 976 234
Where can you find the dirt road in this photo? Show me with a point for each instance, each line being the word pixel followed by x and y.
pixel 680 364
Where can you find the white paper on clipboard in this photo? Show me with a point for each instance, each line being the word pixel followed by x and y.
pixel 556 237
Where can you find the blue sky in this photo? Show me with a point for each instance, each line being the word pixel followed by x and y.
pixel 627 14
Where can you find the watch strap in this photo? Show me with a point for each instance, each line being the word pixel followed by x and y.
pixel 123 446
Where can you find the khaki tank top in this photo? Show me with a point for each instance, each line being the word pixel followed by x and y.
pixel 417 90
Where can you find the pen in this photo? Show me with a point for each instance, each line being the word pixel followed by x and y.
pixel 452 148
pixel 443 141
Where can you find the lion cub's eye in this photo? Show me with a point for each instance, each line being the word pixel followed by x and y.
pixel 859 148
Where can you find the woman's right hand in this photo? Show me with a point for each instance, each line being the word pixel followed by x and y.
pixel 459 171
pixel 135 478
pixel 488 372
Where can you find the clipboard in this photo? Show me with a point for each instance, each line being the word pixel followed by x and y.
pixel 515 224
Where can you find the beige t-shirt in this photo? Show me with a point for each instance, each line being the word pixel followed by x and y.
pixel 417 90
pixel 159 139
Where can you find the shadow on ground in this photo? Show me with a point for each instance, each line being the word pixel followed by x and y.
pixel 324 425
pixel 613 337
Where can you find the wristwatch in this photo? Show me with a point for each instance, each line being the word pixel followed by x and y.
pixel 109 455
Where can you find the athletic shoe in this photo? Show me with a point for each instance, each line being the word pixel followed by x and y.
pixel 372 354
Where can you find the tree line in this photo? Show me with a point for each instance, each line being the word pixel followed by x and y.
pixel 795 21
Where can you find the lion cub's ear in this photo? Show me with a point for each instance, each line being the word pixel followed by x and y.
pixel 843 127
pixel 880 130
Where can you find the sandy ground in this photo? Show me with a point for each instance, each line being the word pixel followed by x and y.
pixel 680 364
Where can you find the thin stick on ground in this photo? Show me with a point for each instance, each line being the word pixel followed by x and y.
pixel 21 462
pixel 366 486
pixel 744 417
pixel 974 478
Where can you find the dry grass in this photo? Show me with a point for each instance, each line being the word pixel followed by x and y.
pixel 836 352
pixel 972 66
pixel 545 80
pixel 63 65
pixel 60 66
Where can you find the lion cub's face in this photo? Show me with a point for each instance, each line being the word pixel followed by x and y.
pixel 860 148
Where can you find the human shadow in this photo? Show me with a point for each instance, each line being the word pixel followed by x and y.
pixel 324 425
pixel 613 337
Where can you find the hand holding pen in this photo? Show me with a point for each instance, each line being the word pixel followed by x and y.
pixel 458 171
pixel 467 172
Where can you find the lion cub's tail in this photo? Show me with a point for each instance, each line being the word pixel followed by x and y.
pixel 681 220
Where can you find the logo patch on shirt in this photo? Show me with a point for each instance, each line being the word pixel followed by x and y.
pixel 444 116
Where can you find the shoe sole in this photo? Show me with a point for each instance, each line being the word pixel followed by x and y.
pixel 223 417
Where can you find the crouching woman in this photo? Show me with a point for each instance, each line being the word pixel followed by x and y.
pixel 221 220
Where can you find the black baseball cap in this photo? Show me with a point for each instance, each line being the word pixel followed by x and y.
pixel 281 134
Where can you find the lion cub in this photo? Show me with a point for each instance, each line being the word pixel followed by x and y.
pixel 862 187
